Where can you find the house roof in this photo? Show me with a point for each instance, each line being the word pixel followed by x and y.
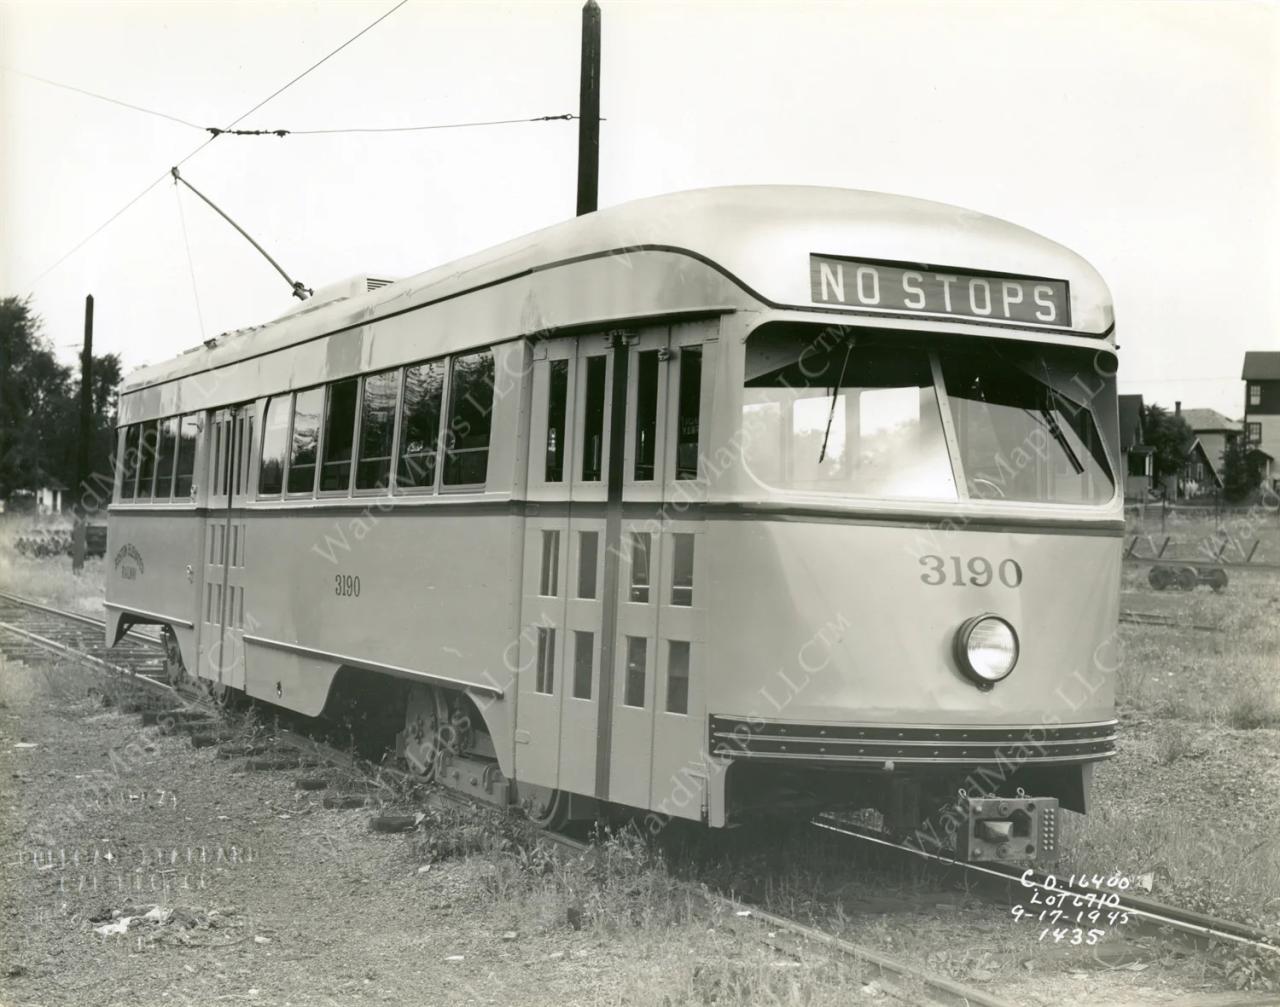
pixel 1261 365
pixel 1130 421
pixel 1197 449
pixel 1203 421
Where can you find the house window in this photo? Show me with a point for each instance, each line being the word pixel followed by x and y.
pixel 1255 395
pixel 1254 434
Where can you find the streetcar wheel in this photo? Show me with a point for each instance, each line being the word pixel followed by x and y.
pixel 426 723
pixel 1160 577
pixel 1187 579
pixel 174 670
pixel 1217 580
pixel 546 808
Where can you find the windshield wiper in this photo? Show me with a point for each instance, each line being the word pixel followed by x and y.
pixel 835 391
pixel 1049 421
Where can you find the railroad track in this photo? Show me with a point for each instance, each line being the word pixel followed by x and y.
pixel 29 629
pixel 1147 910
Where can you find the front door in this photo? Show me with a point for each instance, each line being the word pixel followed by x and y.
pixel 230 439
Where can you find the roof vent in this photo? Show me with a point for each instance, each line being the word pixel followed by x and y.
pixel 341 291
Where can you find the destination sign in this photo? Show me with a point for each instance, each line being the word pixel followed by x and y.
pixel 904 289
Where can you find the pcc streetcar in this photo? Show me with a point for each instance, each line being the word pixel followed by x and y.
pixel 707 505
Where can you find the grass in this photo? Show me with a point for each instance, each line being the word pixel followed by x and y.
pixel 48 579
pixel 1193 796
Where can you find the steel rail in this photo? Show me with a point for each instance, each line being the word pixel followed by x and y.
pixel 1156 912
pixel 77 616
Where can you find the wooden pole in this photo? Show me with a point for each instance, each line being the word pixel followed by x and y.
pixel 84 440
pixel 589 111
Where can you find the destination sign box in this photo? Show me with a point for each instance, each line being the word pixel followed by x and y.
pixel 904 289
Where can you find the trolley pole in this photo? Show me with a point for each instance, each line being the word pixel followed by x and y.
pixel 589 111
pixel 83 441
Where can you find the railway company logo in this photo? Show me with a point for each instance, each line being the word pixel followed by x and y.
pixel 128 561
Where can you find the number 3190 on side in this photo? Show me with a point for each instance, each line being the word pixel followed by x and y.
pixel 977 571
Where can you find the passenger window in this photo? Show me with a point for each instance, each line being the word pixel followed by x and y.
pixel 646 415
pixel 557 407
pixel 641 542
pixel 466 456
pixel 546 660
pixel 275 436
pixel 339 435
pixel 129 462
pixel 306 431
pixel 147 460
pixel 420 424
pixel 637 656
pixel 584 645
pixel 593 421
pixel 682 569
pixel 678 676
pixel 550 582
pixel 588 542
pixel 688 412
pixel 165 457
pixel 188 430
pixel 377 428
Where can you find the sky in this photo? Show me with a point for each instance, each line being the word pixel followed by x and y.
pixel 1143 136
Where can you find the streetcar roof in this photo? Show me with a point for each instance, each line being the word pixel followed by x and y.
pixel 758 238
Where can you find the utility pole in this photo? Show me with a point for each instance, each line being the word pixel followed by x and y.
pixel 83 441
pixel 589 111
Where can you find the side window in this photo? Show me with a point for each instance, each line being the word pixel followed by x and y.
pixel 466 456
pixel 339 435
pixel 129 462
pixel 165 457
pixel 306 431
pixel 188 431
pixel 593 421
pixel 646 415
pixel 557 403
pixel 420 424
pixel 146 460
pixel 377 427
pixel 275 435
pixel 688 412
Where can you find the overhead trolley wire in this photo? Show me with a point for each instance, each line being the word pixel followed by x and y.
pixel 235 122
pixel 103 97
pixel 564 117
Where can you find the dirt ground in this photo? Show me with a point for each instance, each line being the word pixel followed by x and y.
pixel 260 895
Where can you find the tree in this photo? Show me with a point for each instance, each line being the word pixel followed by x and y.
pixel 1170 439
pixel 1241 471
pixel 39 403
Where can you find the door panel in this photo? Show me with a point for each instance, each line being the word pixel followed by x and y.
pixel 223 608
pixel 562 610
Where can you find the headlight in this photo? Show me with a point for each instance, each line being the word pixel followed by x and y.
pixel 986 649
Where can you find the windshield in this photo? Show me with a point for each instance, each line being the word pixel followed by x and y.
pixel 841 412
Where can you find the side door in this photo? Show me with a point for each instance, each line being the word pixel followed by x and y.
pixel 658 716
pixel 558 711
pixel 230 436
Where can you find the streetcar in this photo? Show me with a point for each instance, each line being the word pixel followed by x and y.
pixel 709 506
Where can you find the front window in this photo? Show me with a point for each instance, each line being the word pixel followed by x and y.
pixel 852 413
pixel 834 417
